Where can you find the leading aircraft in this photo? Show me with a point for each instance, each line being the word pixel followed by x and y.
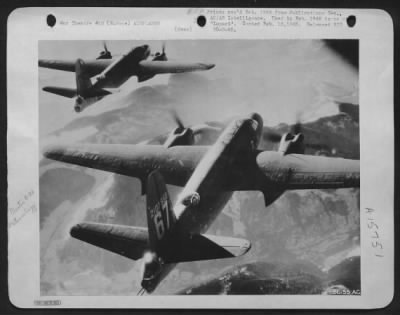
pixel 109 73
pixel 209 175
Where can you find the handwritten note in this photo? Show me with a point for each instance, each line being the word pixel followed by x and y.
pixel 21 208
pixel 374 232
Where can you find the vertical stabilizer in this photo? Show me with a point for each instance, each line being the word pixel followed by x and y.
pixel 160 215
pixel 83 83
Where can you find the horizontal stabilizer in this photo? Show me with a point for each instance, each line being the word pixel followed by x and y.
pixel 205 247
pixel 236 246
pixel 130 242
pixel 66 92
pixel 98 92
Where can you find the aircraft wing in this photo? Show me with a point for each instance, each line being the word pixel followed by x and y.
pixel 298 171
pixel 176 164
pixel 64 65
pixel 92 67
pixel 127 241
pixel 158 67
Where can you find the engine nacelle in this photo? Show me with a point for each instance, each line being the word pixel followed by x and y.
pixel 81 103
pixel 152 271
pixel 291 144
pixel 192 199
pixel 160 57
pixel 180 136
pixel 152 265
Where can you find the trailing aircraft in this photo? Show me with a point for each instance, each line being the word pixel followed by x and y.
pixel 85 93
pixel 209 175
pixel 108 72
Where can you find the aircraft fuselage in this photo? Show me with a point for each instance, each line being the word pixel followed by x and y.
pixel 122 68
pixel 239 139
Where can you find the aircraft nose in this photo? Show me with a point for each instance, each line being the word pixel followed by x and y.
pixel 257 117
pixel 74 230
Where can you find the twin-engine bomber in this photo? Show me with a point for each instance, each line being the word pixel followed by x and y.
pixel 209 175
pixel 109 73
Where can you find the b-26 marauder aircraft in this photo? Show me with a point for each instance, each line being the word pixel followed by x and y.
pixel 110 72
pixel 209 175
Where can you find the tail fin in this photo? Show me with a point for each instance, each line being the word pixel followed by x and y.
pixel 83 83
pixel 160 215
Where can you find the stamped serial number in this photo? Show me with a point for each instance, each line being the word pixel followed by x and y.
pixel 47 302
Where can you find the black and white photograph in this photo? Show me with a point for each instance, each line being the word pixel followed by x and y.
pixel 177 158
pixel 218 167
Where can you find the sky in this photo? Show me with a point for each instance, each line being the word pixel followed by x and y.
pixel 280 79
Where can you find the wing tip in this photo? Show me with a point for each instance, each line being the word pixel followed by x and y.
pixel 53 151
pixel 244 248
pixel 209 66
pixel 240 250
pixel 81 228
pixel 74 231
pixel 48 89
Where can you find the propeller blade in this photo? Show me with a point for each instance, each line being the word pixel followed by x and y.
pixel 297 127
pixel 105 46
pixel 177 119
pixel 163 48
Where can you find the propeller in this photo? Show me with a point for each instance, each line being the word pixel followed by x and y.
pixel 297 129
pixel 177 120
pixel 290 141
pixel 105 54
pixel 183 135
pixel 206 128
pixel 163 48
pixel 160 56
pixel 276 137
